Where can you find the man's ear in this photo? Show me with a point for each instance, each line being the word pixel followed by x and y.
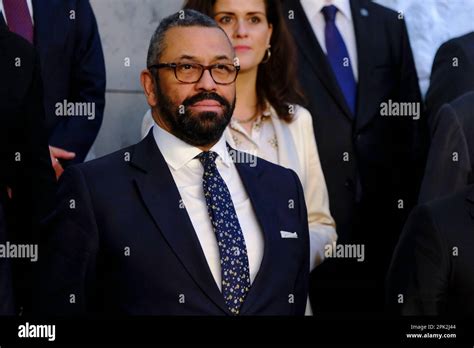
pixel 148 84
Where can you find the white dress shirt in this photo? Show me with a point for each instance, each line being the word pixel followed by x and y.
pixel 187 173
pixel 344 24
pixel 30 8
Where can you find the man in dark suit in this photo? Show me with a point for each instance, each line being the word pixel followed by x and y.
pixel 27 181
pixel 171 225
pixel 452 74
pixel 66 37
pixel 432 272
pixel 355 63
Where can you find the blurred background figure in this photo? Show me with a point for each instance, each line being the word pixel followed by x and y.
pixel 66 37
pixel 452 74
pixel 354 56
pixel 450 165
pixel 449 168
pixel 432 270
pixel 27 181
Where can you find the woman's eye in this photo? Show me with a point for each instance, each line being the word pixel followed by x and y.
pixel 255 20
pixel 225 20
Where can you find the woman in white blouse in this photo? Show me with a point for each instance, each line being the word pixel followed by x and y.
pixel 267 121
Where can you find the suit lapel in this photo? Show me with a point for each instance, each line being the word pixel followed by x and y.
pixel 364 30
pixel 41 16
pixel 162 199
pixel 251 180
pixel 51 22
pixel 309 46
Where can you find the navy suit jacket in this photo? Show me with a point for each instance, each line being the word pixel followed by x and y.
pixel 72 65
pixel 127 202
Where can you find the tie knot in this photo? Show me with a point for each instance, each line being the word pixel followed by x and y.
pixel 329 13
pixel 207 158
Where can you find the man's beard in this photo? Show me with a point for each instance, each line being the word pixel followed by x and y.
pixel 197 129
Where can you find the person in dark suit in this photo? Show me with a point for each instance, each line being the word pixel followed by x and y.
pixel 452 74
pixel 450 164
pixel 177 224
pixel 432 272
pixel 65 34
pixel 355 61
pixel 27 182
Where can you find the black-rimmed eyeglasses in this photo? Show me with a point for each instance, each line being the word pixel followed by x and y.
pixel 222 74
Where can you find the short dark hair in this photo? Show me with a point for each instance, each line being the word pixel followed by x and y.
pixel 183 18
pixel 276 80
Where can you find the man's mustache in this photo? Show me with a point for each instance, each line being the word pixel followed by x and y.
pixel 205 96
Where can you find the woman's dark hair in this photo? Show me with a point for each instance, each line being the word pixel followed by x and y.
pixel 276 80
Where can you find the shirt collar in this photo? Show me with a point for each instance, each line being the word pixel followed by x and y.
pixel 178 153
pixel 313 7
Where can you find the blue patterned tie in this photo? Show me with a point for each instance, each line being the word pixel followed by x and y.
pixel 232 249
pixel 338 57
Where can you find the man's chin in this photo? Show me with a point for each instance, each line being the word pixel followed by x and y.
pixel 205 133
pixel 205 109
pixel 207 115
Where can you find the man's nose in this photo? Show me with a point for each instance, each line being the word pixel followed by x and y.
pixel 206 82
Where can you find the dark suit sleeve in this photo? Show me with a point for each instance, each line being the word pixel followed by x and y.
pixel 443 175
pixel 447 82
pixel 418 276
pixel 67 257
pixel 302 280
pixel 87 84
